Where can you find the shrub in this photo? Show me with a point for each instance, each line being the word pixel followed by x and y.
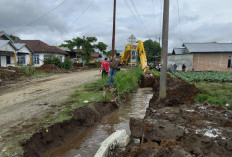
pixel 67 64
pixel 27 70
pixel 48 60
pixel 127 81
pixel 56 61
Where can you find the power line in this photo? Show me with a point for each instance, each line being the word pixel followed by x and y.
pixel 132 13
pixel 139 17
pixel 84 11
pixel 40 17
pixel 181 36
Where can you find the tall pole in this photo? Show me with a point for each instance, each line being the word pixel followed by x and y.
pixel 113 36
pixel 163 74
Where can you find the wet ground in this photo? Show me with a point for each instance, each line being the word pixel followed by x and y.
pixel 87 144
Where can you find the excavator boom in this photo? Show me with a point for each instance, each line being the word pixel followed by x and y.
pixel 141 52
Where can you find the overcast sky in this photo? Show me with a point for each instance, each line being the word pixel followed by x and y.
pixel 54 21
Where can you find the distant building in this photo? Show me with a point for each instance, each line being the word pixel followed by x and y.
pixel 202 57
pixel 42 50
pixel 74 54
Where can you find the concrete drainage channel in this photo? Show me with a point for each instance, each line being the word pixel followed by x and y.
pixel 112 131
pixel 118 139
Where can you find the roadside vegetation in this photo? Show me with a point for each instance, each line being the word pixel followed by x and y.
pixel 67 64
pixel 127 81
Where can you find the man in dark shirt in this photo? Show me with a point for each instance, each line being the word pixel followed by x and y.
pixel 114 67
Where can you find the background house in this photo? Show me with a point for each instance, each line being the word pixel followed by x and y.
pixel 202 57
pixel 42 50
pixel 74 54
pixel 12 54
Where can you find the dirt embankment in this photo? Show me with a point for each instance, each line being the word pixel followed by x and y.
pixel 10 73
pixel 58 133
pixel 176 127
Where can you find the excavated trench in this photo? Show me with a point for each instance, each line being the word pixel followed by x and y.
pixel 88 141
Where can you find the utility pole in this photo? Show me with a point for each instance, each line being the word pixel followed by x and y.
pixel 163 73
pixel 113 36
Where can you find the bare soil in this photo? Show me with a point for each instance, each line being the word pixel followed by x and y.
pixel 176 127
pixel 23 103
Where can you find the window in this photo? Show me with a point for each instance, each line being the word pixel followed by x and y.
pixel 21 59
pixel 7 59
pixel 47 56
pixel 229 63
pixel 35 58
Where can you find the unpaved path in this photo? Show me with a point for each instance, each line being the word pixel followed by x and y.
pixel 35 97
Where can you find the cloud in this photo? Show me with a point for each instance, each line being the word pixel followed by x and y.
pixel 201 21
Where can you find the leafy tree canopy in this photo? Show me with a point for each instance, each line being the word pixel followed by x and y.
pixel 108 53
pixel 87 45
pixel 152 49
pixel 14 37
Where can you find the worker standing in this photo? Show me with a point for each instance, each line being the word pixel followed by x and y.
pixel 105 68
pixel 114 67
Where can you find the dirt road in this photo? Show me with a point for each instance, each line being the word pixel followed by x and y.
pixel 35 97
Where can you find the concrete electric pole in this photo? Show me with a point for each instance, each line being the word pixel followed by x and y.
pixel 113 36
pixel 163 73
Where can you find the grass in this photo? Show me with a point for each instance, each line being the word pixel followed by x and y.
pixel 27 70
pixel 127 81
pixel 154 72
pixel 215 93
pixel 204 76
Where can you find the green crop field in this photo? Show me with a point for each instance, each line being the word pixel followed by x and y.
pixel 204 76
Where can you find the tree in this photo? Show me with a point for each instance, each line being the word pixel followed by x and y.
pixel 152 49
pixel 87 45
pixel 14 37
pixel 101 47
pixel 108 53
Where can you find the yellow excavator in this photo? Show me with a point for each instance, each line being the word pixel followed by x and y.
pixel 130 53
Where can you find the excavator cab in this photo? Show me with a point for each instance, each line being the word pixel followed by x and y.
pixel 132 52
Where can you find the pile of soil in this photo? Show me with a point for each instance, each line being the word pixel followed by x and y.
pixel 11 73
pixel 178 91
pixel 77 65
pixel 55 135
pixel 49 68
pixel 176 127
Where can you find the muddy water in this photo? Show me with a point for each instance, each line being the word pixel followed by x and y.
pixel 86 144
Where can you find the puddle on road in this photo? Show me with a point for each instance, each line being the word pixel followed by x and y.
pixel 87 143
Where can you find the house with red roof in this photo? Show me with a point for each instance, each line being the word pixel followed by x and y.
pixel 41 51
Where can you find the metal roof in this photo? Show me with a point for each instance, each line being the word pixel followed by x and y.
pixel 178 51
pixel 19 45
pixel 208 47
pixel 3 42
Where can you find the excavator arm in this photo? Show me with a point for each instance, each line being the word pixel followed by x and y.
pixel 142 55
pixel 141 51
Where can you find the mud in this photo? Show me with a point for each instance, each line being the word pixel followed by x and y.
pixel 57 134
pixel 177 127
